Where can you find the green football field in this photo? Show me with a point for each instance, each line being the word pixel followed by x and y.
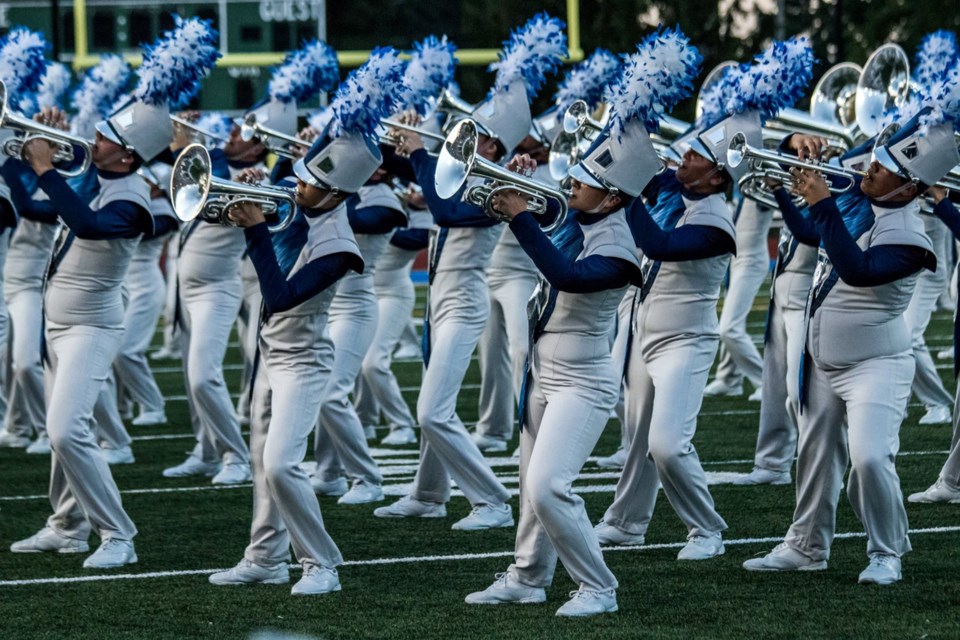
pixel 407 579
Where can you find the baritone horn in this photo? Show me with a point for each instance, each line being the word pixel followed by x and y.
pixel 251 129
pixel 392 141
pixel 883 85
pixel 62 141
pixel 196 193
pixel 459 161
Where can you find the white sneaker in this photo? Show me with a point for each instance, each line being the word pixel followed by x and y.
pixel 362 492
pixel 616 460
pixel 937 415
pixel 407 507
pixel 721 388
pixel 150 418
pixel 399 436
pixel 233 473
pixel 316 580
pixel 609 534
pixel 757 395
pixel 764 476
pixel 584 603
pixel 407 352
pixel 111 553
pixel 487 444
pixel 13 441
pixel 247 572
pixel 883 569
pixel 243 421
pixel 486 516
pixel 123 455
pixel 784 558
pixel 192 466
pixel 49 540
pixel 165 354
pixel 40 446
pixel 939 492
pixel 336 487
pixel 506 589
pixel 516 453
pixel 702 548
pixel 946 354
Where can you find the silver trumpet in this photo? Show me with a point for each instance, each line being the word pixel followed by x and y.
pixel 196 193
pixel 61 140
pixel 197 131
pixel 578 130
pixel 577 119
pixel 251 129
pixel 459 161
pixel 753 187
pixel 392 141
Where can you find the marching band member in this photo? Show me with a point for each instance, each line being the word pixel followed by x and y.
pixel 83 304
pixel 297 277
pixel 573 383
pixel 858 365
pixel 686 239
pixel 458 304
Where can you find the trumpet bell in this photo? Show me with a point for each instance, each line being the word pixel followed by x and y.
pixel 564 153
pixel 575 116
pixel 715 76
pixel 457 157
pixel 884 84
pixel 190 182
pixel 834 98
pixel 248 130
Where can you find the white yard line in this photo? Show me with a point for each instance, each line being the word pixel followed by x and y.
pixel 459 557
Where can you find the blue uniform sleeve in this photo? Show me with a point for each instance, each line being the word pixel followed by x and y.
pixel 162 225
pixel 411 239
pixel 280 294
pixel 446 213
pixel 27 207
pixel 282 169
pixel 652 190
pixel 801 227
pixel 689 242
pixel 593 273
pixel 375 219
pixel 858 268
pixel 118 219
pixel 948 214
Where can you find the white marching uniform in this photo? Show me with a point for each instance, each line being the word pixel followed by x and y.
pixel 748 269
pixel 247 332
pixel 502 350
pixel 84 330
pixel 860 373
pixel 378 393
pixel 675 343
pixel 287 394
pixel 574 384
pixel 340 445
pixel 170 337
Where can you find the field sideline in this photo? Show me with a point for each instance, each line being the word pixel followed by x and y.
pixel 407 579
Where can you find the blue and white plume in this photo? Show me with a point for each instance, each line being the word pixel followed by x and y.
pixel 22 63
pixel 777 78
pixel 98 92
pixel 305 72
pixel 937 51
pixel 588 80
pixel 944 101
pixel 711 102
pixel 428 73
pixel 368 94
pixel 532 51
pixel 174 66
pixel 655 78
pixel 320 118
pixel 217 124
pixel 56 81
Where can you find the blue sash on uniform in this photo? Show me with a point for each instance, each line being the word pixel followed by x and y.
pixel 438 240
pixel 60 252
pixel 785 253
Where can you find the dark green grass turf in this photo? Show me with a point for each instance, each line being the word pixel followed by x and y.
pixel 659 597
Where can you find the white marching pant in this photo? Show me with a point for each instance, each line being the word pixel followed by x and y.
pixel 26 411
pixel 409 338
pixel 171 251
pixel 378 393
pixel 247 323
pixel 567 409
pixel 83 493
pixel 663 399
pixel 618 351
pixel 927 384
pixel 208 315
pixel 503 353
pixel 860 409
pixel 106 414
pixel 283 413
pixel 340 445
pixel 446 449
pixel 146 296
pixel 950 473
pixel 4 325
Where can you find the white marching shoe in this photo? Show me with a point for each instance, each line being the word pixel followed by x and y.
pixel 939 492
pixel 13 441
pixel 616 460
pixel 883 569
pixel 49 540
pixel 233 473
pixel 486 444
pixel 407 352
pixel 584 603
pixel 247 572
pixel 702 548
pixel 362 492
pixel 192 466
pixel 756 396
pixel 783 557
pixel 123 455
pixel 938 415
pixel 506 589
pixel 316 581
pixel 335 488
pixel 166 354
pixel 609 534
pixel 40 446
pixel 150 418
pixel 407 507
pixel 399 436
pixel 720 388
pixel 111 553
pixel 486 516
pixel 764 476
